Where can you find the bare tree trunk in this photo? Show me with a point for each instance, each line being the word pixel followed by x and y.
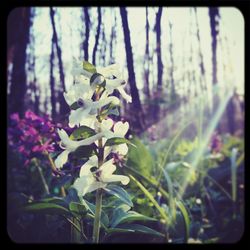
pixel 112 39
pixel 63 105
pixel 214 16
pixel 18 38
pixel 202 68
pixel 158 48
pixel 146 64
pixel 52 83
pixel 97 35
pixel 137 108
pixel 86 38
pixel 172 83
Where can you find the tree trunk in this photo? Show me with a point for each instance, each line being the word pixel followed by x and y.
pixel 63 105
pixel 137 109
pixel 214 16
pixel 18 38
pixel 112 40
pixel 158 48
pixel 86 38
pixel 146 64
pixel 172 83
pixel 202 68
pixel 52 83
pixel 97 35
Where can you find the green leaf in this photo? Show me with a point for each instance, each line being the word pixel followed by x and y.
pixel 91 208
pixel 89 67
pixel 77 208
pixel 140 159
pixel 140 229
pixel 117 141
pixel 83 152
pixel 82 132
pixel 185 215
pixel 55 200
pixel 46 208
pixel 120 193
pixel 120 215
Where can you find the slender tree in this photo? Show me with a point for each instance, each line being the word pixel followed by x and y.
pixel 87 31
pixel 214 21
pixel 52 83
pixel 97 35
pixel 202 67
pixel 137 108
pixel 112 40
pixel 63 105
pixel 158 48
pixel 146 63
pixel 18 39
pixel 172 82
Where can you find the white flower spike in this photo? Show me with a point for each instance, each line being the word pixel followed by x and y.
pixel 90 181
pixel 70 146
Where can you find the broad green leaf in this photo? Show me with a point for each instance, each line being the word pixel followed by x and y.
pixel 117 141
pixel 83 152
pixel 140 159
pixel 121 216
pixel 89 67
pixel 77 208
pixel 55 200
pixel 120 193
pixel 47 208
pixel 91 208
pixel 141 229
pixel 82 132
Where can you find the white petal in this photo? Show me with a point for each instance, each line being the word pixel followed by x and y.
pixel 61 159
pixel 85 169
pixel 107 151
pixel 108 100
pixel 121 129
pixel 114 178
pixel 82 184
pixel 63 136
pixel 77 117
pixel 127 97
pixel 111 70
pixel 121 149
pixel 107 124
pixel 107 168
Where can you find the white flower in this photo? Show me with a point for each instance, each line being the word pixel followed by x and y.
pixel 90 181
pixel 108 73
pixel 120 129
pixel 86 115
pixel 70 146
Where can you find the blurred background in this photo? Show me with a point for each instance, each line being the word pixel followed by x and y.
pixel 184 69
pixel 173 59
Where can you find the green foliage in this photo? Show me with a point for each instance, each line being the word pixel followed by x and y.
pixel 139 158
pixel 89 67
pixel 46 208
pixel 117 141
pixel 121 214
pixel 81 133
pixel 120 193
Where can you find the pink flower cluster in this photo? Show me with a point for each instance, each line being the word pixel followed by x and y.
pixel 32 135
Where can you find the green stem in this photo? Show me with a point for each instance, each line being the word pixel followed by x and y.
pixel 98 210
pixel 45 186
pixel 98 204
